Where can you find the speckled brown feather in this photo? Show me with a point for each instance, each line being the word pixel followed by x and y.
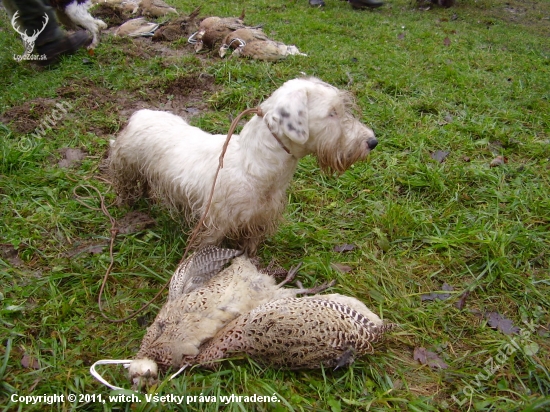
pixel 212 30
pixel 298 333
pixel 246 34
pixel 208 23
pixel 155 8
pixel 199 268
pixel 214 35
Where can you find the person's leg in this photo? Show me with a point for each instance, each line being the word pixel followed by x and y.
pixel 363 4
pixel 316 3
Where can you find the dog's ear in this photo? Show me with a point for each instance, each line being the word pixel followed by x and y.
pixel 288 116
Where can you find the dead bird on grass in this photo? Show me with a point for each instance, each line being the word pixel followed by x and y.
pixel 202 300
pixel 267 50
pixel 240 37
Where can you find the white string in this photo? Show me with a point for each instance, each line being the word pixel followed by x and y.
pixel 95 374
pixel 178 372
pixel 242 43
pixel 192 39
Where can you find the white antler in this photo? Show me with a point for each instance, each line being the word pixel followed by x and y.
pixel 28 40
pixel 37 32
pixel 23 34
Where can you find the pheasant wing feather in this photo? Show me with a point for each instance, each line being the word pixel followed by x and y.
pixel 198 269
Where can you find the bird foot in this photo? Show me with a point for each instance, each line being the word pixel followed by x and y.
pixel 316 289
pixel 291 274
pixel 273 269
pixel 346 359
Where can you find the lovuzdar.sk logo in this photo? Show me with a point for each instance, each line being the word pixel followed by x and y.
pixel 28 40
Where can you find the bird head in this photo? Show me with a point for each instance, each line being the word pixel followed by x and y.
pixel 223 50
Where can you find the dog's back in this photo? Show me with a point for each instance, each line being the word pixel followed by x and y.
pixel 156 149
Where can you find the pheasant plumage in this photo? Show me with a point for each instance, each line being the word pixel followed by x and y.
pixel 214 29
pixel 155 8
pixel 178 27
pixel 200 304
pixel 240 37
pixel 199 269
pixel 136 28
pixel 298 333
pixel 267 50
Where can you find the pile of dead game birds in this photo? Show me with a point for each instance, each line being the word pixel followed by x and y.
pixel 220 34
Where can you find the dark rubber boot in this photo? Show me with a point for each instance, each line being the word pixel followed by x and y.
pixel 68 44
pixel 364 4
pixel 316 3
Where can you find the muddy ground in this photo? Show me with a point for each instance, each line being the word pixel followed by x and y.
pixel 184 95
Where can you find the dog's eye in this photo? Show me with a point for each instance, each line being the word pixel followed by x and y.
pixel 333 113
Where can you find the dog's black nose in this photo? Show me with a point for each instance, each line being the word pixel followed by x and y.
pixel 372 143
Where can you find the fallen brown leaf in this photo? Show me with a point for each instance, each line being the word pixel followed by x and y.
pixel 29 362
pixel 341 267
pixel 344 248
pixel 439 155
pixel 438 296
pixel 497 321
pixel 426 357
pixel 462 300
pixel 498 161
pixel 134 221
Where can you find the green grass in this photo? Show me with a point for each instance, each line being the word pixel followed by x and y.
pixel 415 223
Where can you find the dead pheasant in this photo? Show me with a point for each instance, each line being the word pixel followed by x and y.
pixel 201 301
pixel 198 269
pixel 155 8
pixel 177 28
pixel 114 14
pixel 214 29
pixel 136 28
pixel 267 50
pixel 240 37
pixel 297 333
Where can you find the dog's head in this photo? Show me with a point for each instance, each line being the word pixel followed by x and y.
pixel 311 116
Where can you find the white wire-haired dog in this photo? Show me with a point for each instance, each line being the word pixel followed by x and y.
pixel 160 153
